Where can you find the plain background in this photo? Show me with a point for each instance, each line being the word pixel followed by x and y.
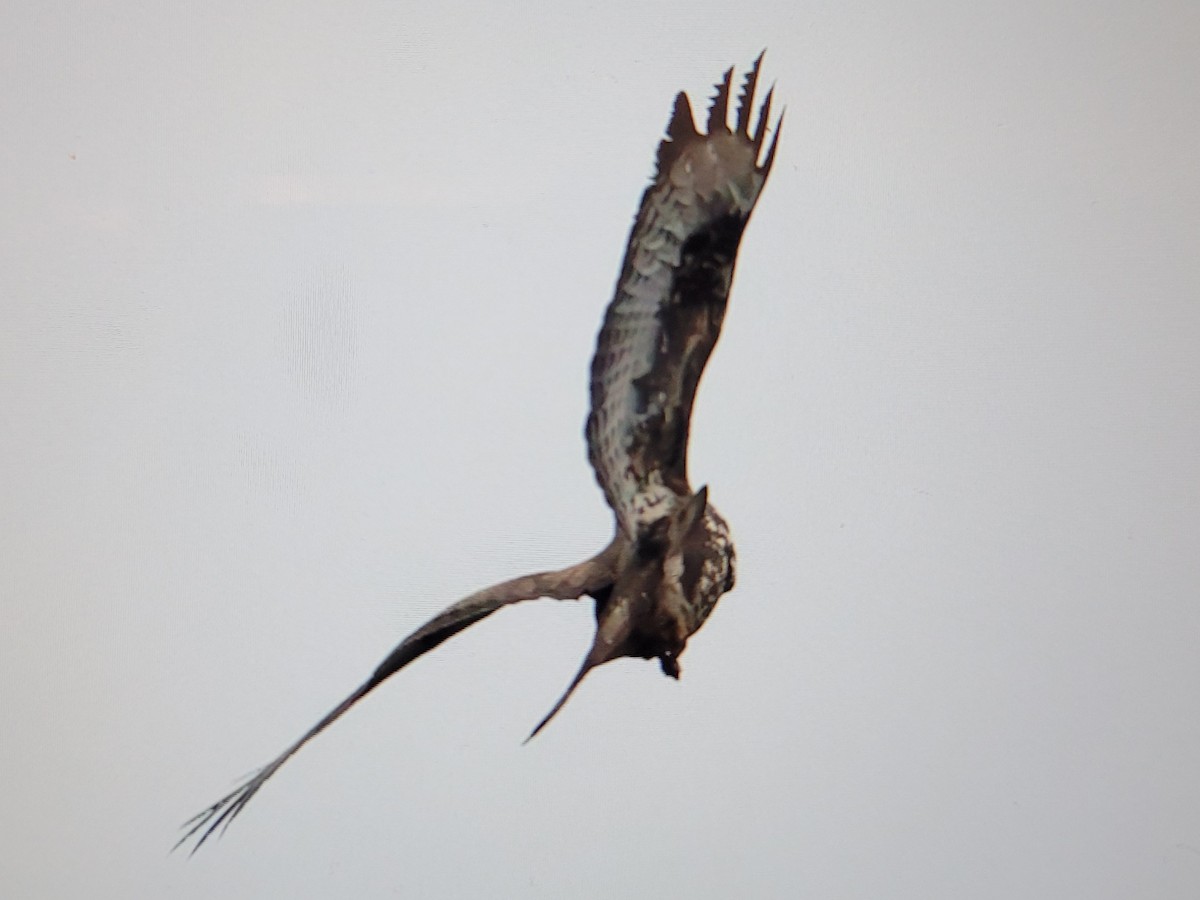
pixel 298 303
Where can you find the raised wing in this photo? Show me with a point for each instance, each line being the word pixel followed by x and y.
pixel 592 576
pixel 670 300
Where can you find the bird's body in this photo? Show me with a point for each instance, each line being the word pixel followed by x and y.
pixel 672 556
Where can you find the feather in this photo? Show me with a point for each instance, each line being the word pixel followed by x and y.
pixel 669 303
pixel 680 132
pixel 746 98
pixel 718 113
pixel 593 576
pixel 764 114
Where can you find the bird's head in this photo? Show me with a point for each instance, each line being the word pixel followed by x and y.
pixel 679 568
pixel 697 568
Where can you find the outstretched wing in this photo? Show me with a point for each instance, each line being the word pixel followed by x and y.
pixel 588 577
pixel 670 300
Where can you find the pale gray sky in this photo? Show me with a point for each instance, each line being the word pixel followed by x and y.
pixel 298 304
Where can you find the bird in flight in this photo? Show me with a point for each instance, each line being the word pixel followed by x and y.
pixel 672 556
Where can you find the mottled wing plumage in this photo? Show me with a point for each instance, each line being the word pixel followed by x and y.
pixel 669 303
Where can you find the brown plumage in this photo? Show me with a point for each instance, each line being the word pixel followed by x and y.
pixel 672 557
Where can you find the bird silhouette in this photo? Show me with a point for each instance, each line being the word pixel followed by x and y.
pixel 672 557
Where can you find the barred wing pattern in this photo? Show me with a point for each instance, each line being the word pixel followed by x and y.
pixel 670 301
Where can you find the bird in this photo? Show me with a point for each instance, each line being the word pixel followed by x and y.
pixel 672 556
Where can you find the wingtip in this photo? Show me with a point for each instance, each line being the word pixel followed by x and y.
pixel 680 129
pixel 718 111
pixel 746 100
pixel 682 124
pixel 764 117
pixel 770 160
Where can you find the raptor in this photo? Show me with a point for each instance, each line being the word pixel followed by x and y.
pixel 671 557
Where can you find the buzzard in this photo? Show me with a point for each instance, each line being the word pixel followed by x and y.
pixel 672 557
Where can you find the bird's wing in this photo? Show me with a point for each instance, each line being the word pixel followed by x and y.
pixel 588 577
pixel 670 299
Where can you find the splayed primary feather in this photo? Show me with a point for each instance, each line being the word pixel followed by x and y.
pixel 669 304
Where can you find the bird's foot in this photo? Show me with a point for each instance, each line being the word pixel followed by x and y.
pixel 670 664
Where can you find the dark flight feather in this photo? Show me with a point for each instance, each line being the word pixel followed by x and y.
pixel 718 112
